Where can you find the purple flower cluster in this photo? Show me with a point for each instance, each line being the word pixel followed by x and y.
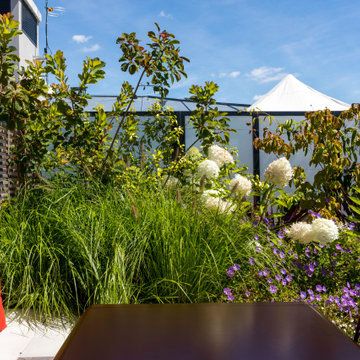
pixel 314 214
pixel 232 269
pixel 230 296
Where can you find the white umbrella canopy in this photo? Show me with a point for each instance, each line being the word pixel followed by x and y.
pixel 290 94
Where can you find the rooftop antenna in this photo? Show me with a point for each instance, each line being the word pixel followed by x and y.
pixel 53 12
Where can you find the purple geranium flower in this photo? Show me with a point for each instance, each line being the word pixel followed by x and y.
pixel 303 295
pixel 318 297
pixel 283 271
pixel 231 297
pixel 260 273
pixel 266 272
pixel 273 289
pixel 288 278
pixel 278 277
pixel 269 280
pixel 252 261
pixel 284 282
pixel 247 293
pixel 227 291
pixel 319 288
pixel 230 273
pixel 338 247
pixel 236 267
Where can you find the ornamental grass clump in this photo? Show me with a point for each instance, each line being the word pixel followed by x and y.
pixel 68 245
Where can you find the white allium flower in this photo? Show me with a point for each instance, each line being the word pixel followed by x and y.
pixel 212 201
pixel 279 172
pixel 208 168
pixel 241 184
pixel 325 230
pixel 219 155
pixel 172 182
pixel 301 232
pixel 210 193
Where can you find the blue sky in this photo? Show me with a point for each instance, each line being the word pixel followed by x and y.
pixel 245 46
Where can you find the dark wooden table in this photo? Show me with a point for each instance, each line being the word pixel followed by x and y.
pixel 264 331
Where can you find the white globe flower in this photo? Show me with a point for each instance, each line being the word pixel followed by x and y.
pixel 208 168
pixel 171 183
pixel 324 230
pixel 301 232
pixel 212 201
pixel 279 172
pixel 219 155
pixel 241 184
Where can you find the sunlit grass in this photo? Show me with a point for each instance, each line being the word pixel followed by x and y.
pixel 66 246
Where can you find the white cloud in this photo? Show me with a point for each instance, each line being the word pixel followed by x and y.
pixel 92 48
pixel 266 74
pixel 80 39
pixel 234 74
pixel 163 14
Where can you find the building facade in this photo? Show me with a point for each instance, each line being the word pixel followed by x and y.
pixel 29 17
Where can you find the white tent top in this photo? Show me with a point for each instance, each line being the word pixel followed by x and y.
pixel 290 94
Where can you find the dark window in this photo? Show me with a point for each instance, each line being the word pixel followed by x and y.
pixel 29 23
pixel 5 6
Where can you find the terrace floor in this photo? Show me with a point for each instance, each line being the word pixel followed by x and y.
pixel 23 340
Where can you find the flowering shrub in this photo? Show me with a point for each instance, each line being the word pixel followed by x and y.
pixel 286 266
